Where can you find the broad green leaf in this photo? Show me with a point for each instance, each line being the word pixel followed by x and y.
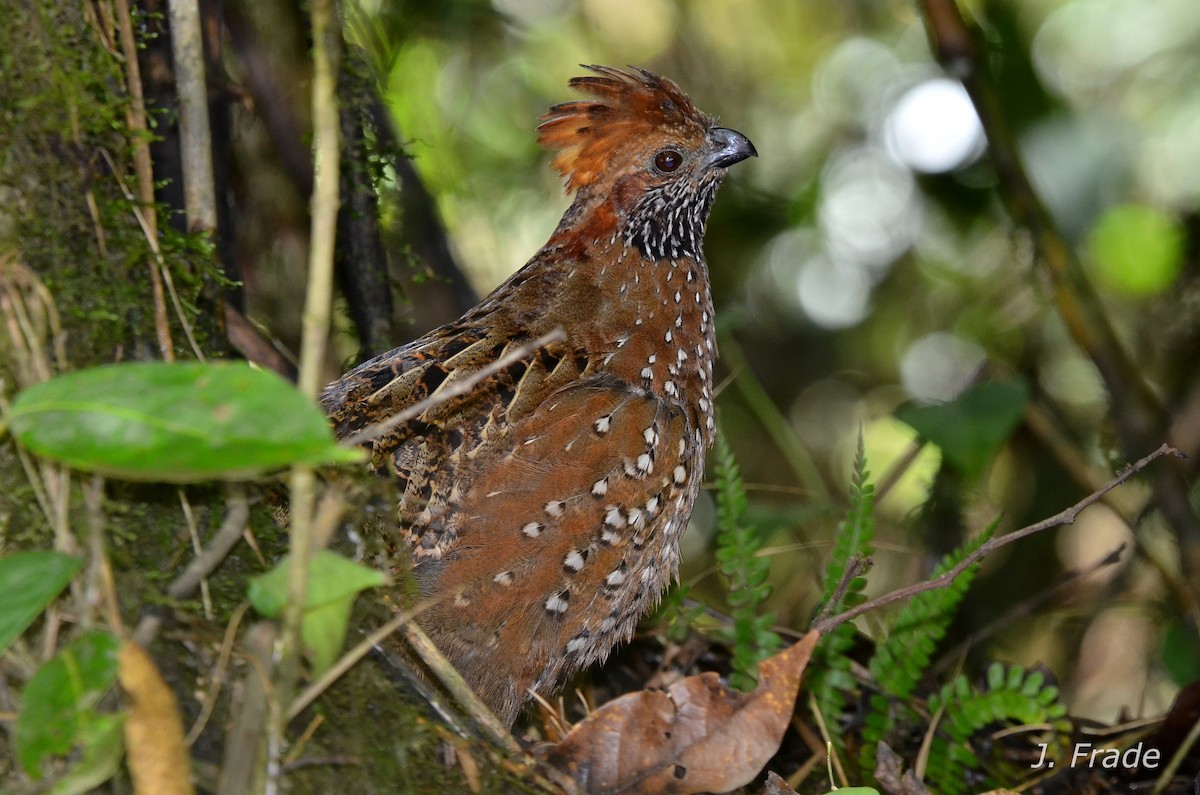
pixel 57 702
pixel 1136 250
pixel 333 582
pixel 179 422
pixel 971 429
pixel 103 749
pixel 28 582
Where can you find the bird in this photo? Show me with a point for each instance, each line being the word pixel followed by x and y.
pixel 541 510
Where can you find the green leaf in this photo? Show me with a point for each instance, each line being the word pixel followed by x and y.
pixel 745 572
pixel 971 429
pixel 28 582
pixel 56 704
pixel 854 534
pixel 1181 652
pixel 180 422
pixel 333 582
pixel 1136 250
pixel 103 748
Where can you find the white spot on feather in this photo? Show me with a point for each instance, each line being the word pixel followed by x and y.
pixel 558 603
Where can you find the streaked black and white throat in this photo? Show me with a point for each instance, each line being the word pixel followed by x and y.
pixel 668 220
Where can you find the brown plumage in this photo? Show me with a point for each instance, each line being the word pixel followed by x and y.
pixel 543 509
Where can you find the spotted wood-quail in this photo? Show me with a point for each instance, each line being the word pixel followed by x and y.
pixel 543 508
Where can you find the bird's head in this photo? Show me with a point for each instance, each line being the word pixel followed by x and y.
pixel 641 145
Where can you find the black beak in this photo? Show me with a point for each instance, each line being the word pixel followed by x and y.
pixel 731 147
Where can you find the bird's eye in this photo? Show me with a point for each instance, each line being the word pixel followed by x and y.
pixel 668 160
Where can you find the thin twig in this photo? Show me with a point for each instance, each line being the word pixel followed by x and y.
pixel 826 625
pixel 297 747
pixel 855 567
pixel 450 678
pixel 218 674
pixel 203 564
pixel 1026 607
pixel 152 241
pixel 326 37
pixel 328 515
pixel 831 756
pixel 36 337
pixel 898 469
pixel 454 389
pixel 143 169
pixel 100 576
pixel 220 545
pixel 1189 742
pixel 189 519
pixel 345 663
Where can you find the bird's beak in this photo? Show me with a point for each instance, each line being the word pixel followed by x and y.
pixel 730 147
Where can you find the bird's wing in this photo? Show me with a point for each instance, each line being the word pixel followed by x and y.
pixel 570 525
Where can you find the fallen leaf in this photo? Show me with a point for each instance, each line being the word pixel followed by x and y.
pixel 698 736
pixel 776 785
pixel 157 757
pixel 890 773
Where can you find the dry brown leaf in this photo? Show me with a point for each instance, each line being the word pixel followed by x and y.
pixel 157 757
pixel 777 785
pixel 890 773
pixel 698 736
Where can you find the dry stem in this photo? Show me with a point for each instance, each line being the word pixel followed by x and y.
pixel 826 625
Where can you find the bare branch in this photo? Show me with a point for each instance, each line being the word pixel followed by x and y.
pixel 326 36
pixel 187 44
pixel 826 625
pixel 855 567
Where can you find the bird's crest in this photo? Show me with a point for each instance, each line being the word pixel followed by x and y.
pixel 627 108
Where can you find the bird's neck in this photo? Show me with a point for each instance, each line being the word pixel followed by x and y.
pixel 645 320
pixel 663 222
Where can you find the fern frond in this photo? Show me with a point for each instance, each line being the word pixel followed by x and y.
pixel 830 681
pixel 1012 695
pixel 745 572
pixel 901 660
pixel 854 534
